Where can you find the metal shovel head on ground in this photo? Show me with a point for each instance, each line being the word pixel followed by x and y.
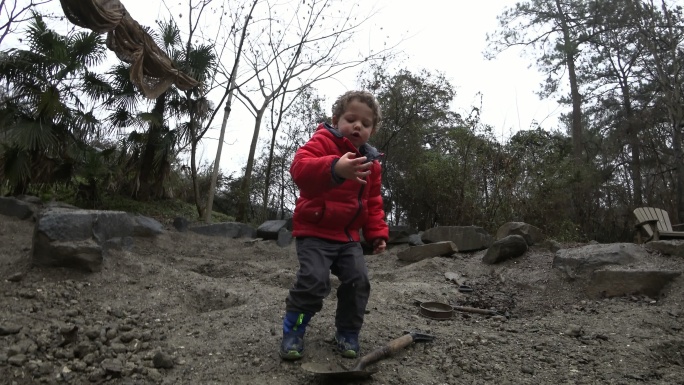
pixel 359 369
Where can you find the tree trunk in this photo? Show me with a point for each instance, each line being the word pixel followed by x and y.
pixel 217 161
pixel 267 177
pixel 680 168
pixel 635 146
pixel 195 181
pixel 243 204
pixel 667 67
pixel 147 167
pixel 226 113
pixel 282 191
pixel 569 51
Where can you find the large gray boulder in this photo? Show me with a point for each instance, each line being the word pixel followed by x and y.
pixel 586 259
pixel 466 238
pixel 671 247
pixel 16 208
pixel 418 253
pixel 225 229
pixel 509 247
pixel 612 282
pixel 532 234
pixel 146 227
pixel 610 270
pixel 400 234
pixel 271 229
pixel 79 238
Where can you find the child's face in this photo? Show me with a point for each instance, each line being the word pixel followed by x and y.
pixel 356 123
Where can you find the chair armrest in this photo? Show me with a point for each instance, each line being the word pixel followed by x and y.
pixel 652 222
pixel 678 225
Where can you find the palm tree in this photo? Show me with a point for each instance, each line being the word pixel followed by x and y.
pixel 175 120
pixel 46 105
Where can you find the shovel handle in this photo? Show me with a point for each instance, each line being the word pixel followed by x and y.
pixel 475 310
pixel 390 348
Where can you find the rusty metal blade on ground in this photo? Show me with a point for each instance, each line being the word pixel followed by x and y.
pixel 336 370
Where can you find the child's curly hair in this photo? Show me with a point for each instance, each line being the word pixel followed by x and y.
pixel 365 97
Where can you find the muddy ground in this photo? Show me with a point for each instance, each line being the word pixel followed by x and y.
pixel 188 309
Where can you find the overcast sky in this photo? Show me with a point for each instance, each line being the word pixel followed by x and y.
pixel 438 35
pixel 450 36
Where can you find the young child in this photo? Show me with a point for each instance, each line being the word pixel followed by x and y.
pixel 338 175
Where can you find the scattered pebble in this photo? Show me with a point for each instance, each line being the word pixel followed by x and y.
pixel 162 360
pixel 8 329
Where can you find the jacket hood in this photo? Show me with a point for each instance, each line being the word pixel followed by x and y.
pixel 370 152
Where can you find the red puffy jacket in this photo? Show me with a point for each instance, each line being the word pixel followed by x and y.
pixel 327 208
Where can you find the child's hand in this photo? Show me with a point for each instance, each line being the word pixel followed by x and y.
pixel 379 245
pixel 350 167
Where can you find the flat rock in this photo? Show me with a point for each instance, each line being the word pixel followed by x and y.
pixel 16 208
pixel 620 282
pixel 418 253
pixel 466 238
pixel 674 248
pixel 8 329
pixel 225 229
pixel 584 260
pixel 271 229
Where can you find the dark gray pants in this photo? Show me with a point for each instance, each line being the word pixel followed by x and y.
pixel 317 259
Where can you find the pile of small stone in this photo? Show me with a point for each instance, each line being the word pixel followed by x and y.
pixel 58 337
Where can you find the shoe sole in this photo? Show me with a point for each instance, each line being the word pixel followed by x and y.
pixel 292 355
pixel 345 353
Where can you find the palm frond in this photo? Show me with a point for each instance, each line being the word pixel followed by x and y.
pixel 46 42
pixel 87 48
pixel 95 86
pixel 124 95
pixel 201 61
pixel 50 104
pixel 16 164
pixel 167 143
pixel 121 117
pixel 151 118
pixel 33 136
pixel 86 125
pixel 184 130
pixel 169 34
pixel 175 105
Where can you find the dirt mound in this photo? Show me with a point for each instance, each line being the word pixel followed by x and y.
pixel 186 308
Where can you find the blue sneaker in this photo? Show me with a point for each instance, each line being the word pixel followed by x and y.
pixel 294 327
pixel 348 344
pixel 292 346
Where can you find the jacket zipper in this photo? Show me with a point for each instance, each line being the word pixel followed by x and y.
pixel 359 200
pixel 358 211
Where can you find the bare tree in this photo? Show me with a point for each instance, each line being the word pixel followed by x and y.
pixel 198 106
pixel 15 12
pixel 279 106
pixel 228 98
pixel 298 123
pixel 293 54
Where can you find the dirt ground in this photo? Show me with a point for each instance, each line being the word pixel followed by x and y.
pixel 189 309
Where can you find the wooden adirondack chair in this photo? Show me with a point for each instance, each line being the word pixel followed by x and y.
pixel 655 223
